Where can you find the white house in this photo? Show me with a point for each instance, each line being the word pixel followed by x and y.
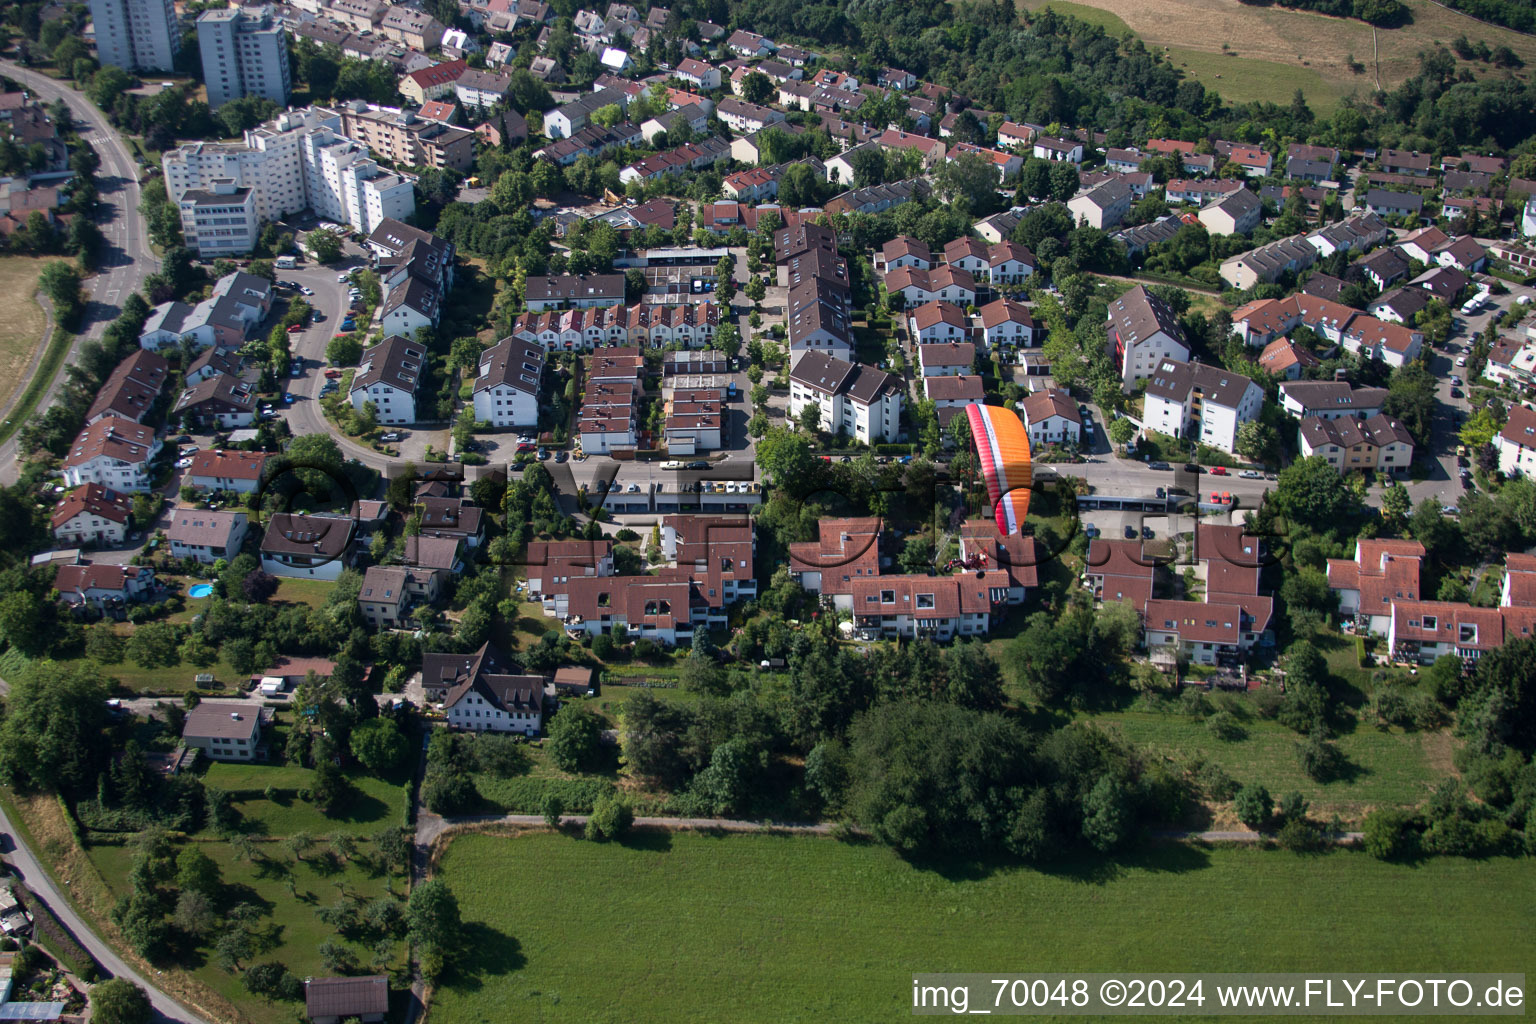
pixel 936 322
pixel 946 358
pixel 1058 150
pixel 1516 443
pixel 389 376
pixel 857 400
pixel 1103 206
pixel 1005 323
pixel 224 732
pixel 1143 334
pixel 1179 394
pixel 305 546
pixel 114 453
pixel 507 388
pixel 205 535
pixel 702 76
pixel 1051 417
pixel 91 514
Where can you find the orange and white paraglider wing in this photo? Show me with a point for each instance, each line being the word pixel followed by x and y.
pixel 1002 444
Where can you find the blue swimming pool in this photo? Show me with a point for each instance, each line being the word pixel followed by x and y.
pixel 200 590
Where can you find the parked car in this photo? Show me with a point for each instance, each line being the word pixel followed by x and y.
pixel 390 438
pixel 543 454
pixel 524 447
pixel 1218 471
pixel 306 289
pixel 333 373
pixel 1455 380
pixel 1160 466
pixel 1251 474
pixel 349 324
pixel 1192 467
pixel 287 398
pixel 1461 360
pixel 296 328
pixel 1090 530
pixel 562 455
pixel 698 464
pixel 1130 532
pixel 343 277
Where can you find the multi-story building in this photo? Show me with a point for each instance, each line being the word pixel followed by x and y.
pixel 307 547
pixel 389 375
pixel 1181 395
pixel 114 453
pixel 91 514
pixel 506 391
pixel 136 35
pixel 406 139
pixel 219 221
pixel 301 159
pixel 245 53
pixel 206 535
pixel 1347 443
pixel 1051 417
pixel 1143 334
pixel 1516 442
pixel 858 400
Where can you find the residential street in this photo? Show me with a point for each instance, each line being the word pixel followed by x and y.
pixel 26 865
pixel 127 260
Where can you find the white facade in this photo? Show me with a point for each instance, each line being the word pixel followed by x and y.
pixel 90 528
pixel 221 221
pixel 505 406
pixel 113 474
pixel 869 423
pixel 393 406
pixel 136 35
pixel 476 713
pixel 300 160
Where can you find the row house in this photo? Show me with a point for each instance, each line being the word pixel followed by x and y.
pixel 1268 263
pixel 1003 325
pixel 1330 399
pixel 998 263
pixel 692 156
pixel 942 284
pixel 571 330
pixel 1051 417
pixel 1349 443
pixel 132 389
pixel 99 585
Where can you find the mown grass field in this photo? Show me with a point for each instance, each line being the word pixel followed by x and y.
pixel 378 802
pixel 21 330
pixel 1278 50
pixel 692 927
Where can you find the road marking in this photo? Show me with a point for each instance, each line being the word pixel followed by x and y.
pixel 112 294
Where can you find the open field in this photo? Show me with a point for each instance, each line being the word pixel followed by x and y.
pixel 378 803
pixel 21 331
pixel 695 927
pixel 1278 50
pixel 1389 767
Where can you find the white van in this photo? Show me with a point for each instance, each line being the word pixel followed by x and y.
pixel 286 262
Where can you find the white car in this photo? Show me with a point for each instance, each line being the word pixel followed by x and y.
pixel 1461 360
pixel 184 463
pixel 343 277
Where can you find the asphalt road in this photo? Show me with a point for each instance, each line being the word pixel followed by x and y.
pixel 127 260
pixel 26 865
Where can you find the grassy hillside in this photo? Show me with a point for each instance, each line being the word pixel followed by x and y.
pixel 1272 51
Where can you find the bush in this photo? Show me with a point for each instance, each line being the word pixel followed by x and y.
pixel 1321 760
pixel 1391 834
pixel 1225 727
pixel 1301 835
pixel 610 819
pixel 1253 806
pixel 602 646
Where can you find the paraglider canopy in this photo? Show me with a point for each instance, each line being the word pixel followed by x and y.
pixel 1002 445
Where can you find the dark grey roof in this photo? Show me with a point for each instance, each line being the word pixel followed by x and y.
pixel 395 361
pixel 346 997
pixel 513 362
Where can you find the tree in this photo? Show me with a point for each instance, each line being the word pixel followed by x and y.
pixel 727 786
pixel 1258 442
pixel 344 350
pixel 552 807
pixel 786 458
pixel 1122 430
pixel 1308 492
pixel 324 245
pixel 432 916
pixel 809 419
pixel 611 818
pixel 1106 814
pixel 379 745
pixel 1390 833
pixel 575 739
pixel 1253 806
pixel 197 872
pixel 758 88
pixel 51 735
pixel 61 283
pixel 117 1001
pixel 971 178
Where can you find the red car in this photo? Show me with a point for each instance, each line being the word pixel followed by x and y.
pixel 333 373
pixel 296 328
pixel 1218 471
pixel 525 447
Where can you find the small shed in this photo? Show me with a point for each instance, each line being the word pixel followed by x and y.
pixel 575 681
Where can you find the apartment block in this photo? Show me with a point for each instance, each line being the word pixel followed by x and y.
pixel 245 53
pixel 136 35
